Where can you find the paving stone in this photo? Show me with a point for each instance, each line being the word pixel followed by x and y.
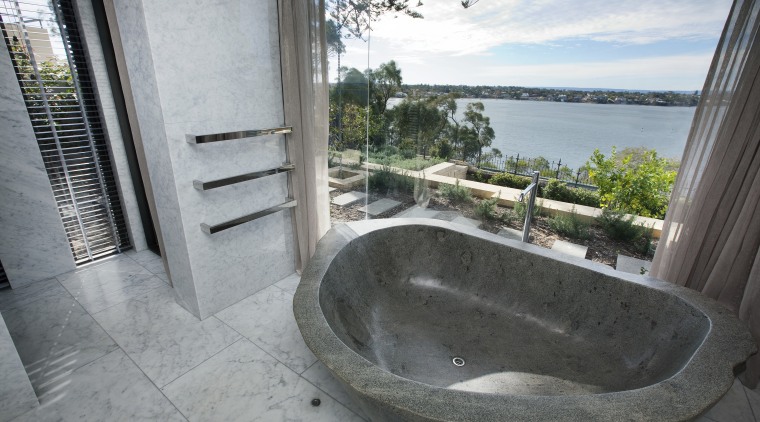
pixel 349 198
pixel 380 206
pixel 510 233
pixel 628 264
pixel 417 212
pixel 331 189
pixel 447 215
pixel 571 249
pixel 467 222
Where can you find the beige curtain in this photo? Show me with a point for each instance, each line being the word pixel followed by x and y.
pixel 711 238
pixel 305 97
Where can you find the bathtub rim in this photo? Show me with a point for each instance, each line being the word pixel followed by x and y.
pixel 685 395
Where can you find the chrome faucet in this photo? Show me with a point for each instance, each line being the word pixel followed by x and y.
pixel 532 189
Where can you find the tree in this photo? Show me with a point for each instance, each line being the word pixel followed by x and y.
pixel 335 46
pixel 639 187
pixel 352 130
pixel 448 106
pixel 483 133
pixel 386 82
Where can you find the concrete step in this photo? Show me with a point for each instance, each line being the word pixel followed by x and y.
pixel 380 206
pixel 467 222
pixel 578 251
pixel 349 198
pixel 629 264
pixel 510 233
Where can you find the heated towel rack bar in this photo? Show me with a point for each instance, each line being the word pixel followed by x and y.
pixel 201 185
pixel 211 229
pixel 228 136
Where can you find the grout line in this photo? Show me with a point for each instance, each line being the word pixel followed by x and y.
pixel 329 395
pixel 135 363
pixel 746 396
pixel 204 360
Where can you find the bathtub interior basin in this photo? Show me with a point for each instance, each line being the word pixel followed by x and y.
pixel 449 315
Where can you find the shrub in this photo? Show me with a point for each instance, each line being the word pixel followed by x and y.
pixel 561 192
pixel 521 208
pixel 570 226
pixel 385 180
pixel 455 193
pixel 486 209
pixel 510 180
pixel 619 227
pixel 638 183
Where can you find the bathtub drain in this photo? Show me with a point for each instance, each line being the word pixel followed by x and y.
pixel 458 361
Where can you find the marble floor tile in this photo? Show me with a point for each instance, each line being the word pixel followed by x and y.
pixel 116 264
pixel 142 257
pixel 243 383
pixel 289 283
pixel 266 318
pixel 15 298
pixel 754 400
pixel 108 389
pixel 98 290
pixel 154 267
pixel 53 337
pixel 163 339
pixel 319 375
pixel 733 407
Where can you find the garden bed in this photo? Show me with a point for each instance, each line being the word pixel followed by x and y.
pixel 601 248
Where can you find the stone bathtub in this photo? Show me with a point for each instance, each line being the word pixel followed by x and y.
pixel 424 320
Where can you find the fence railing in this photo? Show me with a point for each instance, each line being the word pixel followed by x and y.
pixel 525 166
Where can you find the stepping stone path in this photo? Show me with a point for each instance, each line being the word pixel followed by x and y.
pixel 380 206
pixel 578 251
pixel 331 189
pixel 628 264
pixel 417 212
pixel 510 233
pixel 467 222
pixel 349 198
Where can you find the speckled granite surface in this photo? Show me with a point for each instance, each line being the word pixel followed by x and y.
pixel 387 304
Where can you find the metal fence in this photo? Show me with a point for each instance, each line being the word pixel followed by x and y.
pixel 525 166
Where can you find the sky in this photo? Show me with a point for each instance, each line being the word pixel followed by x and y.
pixel 633 44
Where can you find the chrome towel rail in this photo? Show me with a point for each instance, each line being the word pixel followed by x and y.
pixel 211 229
pixel 201 185
pixel 228 136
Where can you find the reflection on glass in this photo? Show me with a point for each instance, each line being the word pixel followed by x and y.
pixel 444 111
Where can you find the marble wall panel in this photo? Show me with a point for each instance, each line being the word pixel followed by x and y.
pixel 217 69
pixel 148 123
pixel 33 243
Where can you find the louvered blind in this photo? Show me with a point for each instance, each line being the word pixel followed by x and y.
pixel 47 52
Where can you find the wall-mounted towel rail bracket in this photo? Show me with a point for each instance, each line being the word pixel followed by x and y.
pixel 213 184
pixel 228 136
pixel 211 229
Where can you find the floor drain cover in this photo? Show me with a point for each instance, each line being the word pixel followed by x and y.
pixel 458 361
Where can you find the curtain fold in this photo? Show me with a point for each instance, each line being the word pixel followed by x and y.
pixel 303 55
pixel 711 236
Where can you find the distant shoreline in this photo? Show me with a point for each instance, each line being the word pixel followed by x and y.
pixel 560 95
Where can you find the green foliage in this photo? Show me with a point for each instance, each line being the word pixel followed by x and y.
pixel 521 208
pixel 386 181
pixel 570 225
pixel 641 186
pixel 619 227
pixel 348 128
pixel 486 209
pixel 559 191
pixel 510 180
pixel 455 193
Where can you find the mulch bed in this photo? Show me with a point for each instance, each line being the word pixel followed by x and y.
pixel 600 247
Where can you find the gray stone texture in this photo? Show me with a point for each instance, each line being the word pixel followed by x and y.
pixel 544 336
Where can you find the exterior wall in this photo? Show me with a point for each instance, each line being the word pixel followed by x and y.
pixel 202 69
pixel 33 243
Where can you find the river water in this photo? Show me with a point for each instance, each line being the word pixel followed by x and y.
pixel 571 131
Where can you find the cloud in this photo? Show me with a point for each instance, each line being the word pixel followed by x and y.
pixel 449 29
